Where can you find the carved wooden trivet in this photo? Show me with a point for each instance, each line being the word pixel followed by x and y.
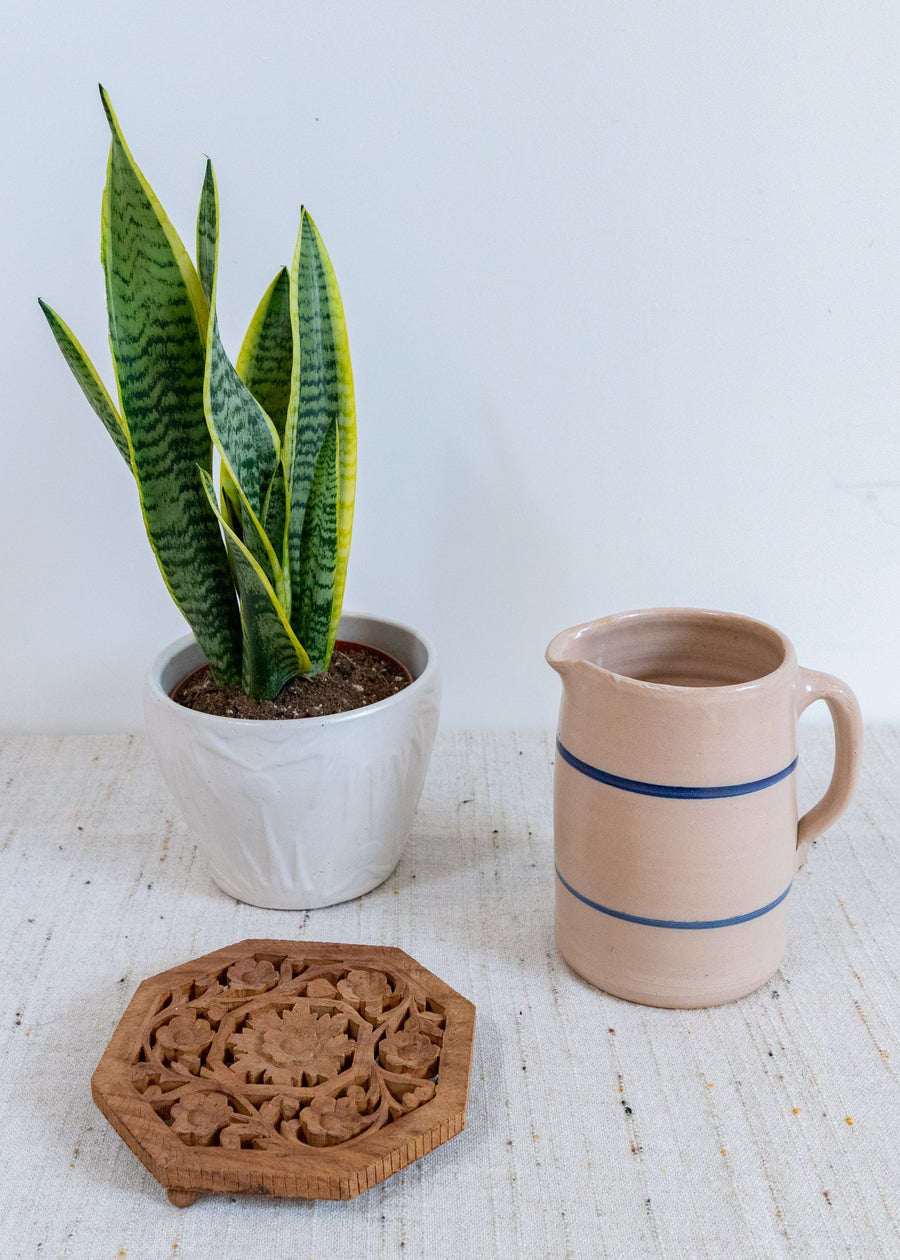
pixel 287 1068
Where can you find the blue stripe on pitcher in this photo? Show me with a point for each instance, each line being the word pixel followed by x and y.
pixel 683 924
pixel 665 789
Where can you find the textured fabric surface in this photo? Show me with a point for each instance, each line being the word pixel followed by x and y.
pixel 765 1128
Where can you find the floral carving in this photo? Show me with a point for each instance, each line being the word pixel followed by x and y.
pixel 184 1038
pixel 291 1068
pixel 412 1093
pixel 250 975
pixel 290 1048
pixel 367 991
pixel 273 1053
pixel 197 1117
pixel 329 1121
pixel 410 1053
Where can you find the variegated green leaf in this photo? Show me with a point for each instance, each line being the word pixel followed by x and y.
pixel 274 518
pixel 272 653
pixel 321 397
pixel 266 356
pixel 208 234
pixel 230 500
pixel 87 377
pixel 162 223
pixel 157 327
pixel 264 364
pixel 314 601
pixel 346 443
pixel 244 435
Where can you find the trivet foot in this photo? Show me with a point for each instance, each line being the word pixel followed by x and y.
pixel 182 1198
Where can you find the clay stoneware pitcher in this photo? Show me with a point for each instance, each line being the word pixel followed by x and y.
pixel 675 811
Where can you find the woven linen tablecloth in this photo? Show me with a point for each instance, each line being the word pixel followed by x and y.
pixel 769 1127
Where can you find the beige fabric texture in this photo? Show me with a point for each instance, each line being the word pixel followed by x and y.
pixel 768 1127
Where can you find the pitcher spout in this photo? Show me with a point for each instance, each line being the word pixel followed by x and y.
pixel 570 654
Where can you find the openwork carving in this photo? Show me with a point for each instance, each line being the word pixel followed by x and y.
pixel 289 1050
pixel 274 1051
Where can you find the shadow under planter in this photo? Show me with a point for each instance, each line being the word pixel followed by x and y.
pixel 296 814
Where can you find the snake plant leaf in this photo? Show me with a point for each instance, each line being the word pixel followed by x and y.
pixel 230 500
pixel 208 234
pixel 314 601
pixel 266 357
pixel 321 399
pixel 243 434
pixel 88 378
pixel 180 255
pixel 274 520
pixel 264 364
pixel 157 326
pixel 272 653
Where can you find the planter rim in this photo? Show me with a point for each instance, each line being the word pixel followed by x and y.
pixel 326 719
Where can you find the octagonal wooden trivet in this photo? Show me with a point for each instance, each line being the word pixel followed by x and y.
pixel 287 1068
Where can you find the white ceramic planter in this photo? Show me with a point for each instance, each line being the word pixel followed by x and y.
pixel 298 814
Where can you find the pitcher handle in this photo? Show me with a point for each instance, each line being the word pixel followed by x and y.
pixel 844 709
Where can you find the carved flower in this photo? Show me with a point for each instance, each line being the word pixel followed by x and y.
pixel 248 976
pixel 329 1121
pixel 408 1052
pixel 367 991
pixel 284 1049
pixel 185 1037
pixel 197 1117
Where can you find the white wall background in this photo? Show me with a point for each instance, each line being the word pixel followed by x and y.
pixel 623 288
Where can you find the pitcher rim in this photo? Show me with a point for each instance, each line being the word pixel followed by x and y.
pixel 772 677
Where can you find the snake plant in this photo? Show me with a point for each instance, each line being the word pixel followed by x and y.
pixel 258 569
